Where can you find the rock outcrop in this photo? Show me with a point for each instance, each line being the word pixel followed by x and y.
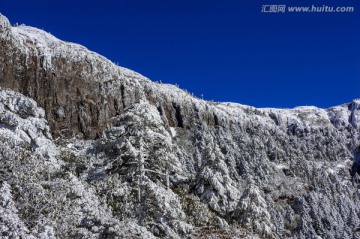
pixel 80 90
pixel 114 155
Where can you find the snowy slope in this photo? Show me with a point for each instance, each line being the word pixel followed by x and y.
pixel 132 158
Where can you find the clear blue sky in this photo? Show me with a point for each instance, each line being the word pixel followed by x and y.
pixel 226 50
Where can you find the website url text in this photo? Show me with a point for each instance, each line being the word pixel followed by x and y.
pixel 313 8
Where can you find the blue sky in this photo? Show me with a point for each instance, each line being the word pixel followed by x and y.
pixel 226 50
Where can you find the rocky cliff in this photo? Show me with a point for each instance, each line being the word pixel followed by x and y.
pixel 93 150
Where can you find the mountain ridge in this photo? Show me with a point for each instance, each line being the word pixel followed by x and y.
pixel 28 43
pixel 130 158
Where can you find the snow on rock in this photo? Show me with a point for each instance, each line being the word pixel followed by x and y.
pixel 20 116
pixel 33 41
pixel 51 202
pixel 355 113
pixel 139 159
pixel 5 25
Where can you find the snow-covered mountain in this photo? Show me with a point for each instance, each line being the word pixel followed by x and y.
pixel 93 150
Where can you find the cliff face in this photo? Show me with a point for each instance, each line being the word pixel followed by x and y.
pixel 134 158
pixel 79 89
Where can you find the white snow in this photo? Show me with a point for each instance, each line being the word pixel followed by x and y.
pixel 173 131
pixel 33 41
pixel 32 128
pixel 281 166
